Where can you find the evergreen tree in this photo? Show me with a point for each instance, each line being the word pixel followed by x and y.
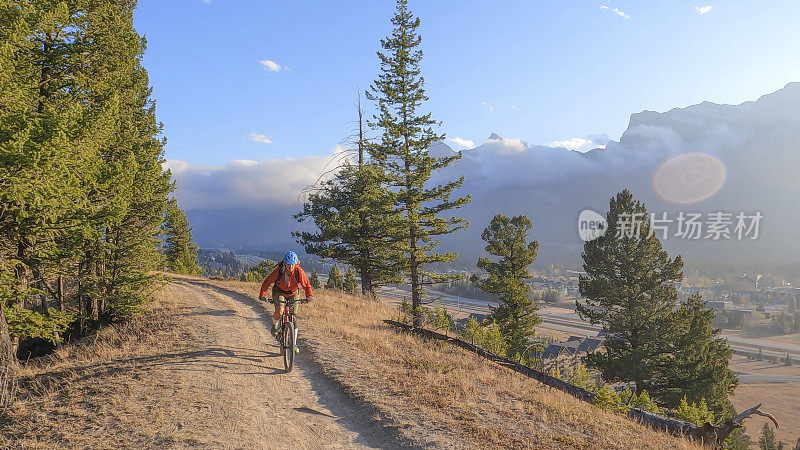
pixel 83 188
pixel 402 154
pixel 42 147
pixel 353 214
pixel 516 315
pixel 180 250
pixel 259 272
pixel 130 187
pixel 792 304
pixel 697 367
pixel 314 279
pixel 767 439
pixel 629 292
pixel 350 284
pixel 738 440
pixel 334 279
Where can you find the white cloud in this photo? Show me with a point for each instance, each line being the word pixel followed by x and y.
pixel 621 14
pixel 703 9
pixel 260 138
pixel 463 142
pixel 578 144
pixel 244 162
pixel 504 146
pixel 271 65
pixel 244 183
pixel 489 105
pixel 617 11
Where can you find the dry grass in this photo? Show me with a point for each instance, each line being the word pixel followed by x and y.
pixel 72 398
pixel 441 395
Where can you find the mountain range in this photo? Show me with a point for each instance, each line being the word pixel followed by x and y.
pixel 706 158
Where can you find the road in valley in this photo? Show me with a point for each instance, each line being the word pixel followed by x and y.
pixel 568 321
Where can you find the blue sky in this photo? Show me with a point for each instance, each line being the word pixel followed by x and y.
pixel 260 80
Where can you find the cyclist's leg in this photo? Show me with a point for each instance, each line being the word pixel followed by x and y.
pixel 279 301
pixel 294 311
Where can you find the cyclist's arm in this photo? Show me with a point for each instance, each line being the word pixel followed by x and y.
pixel 269 281
pixel 305 283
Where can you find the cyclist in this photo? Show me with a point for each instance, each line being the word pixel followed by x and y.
pixel 285 280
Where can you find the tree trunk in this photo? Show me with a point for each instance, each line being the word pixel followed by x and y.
pixel 61 306
pixel 366 279
pixel 416 301
pixel 8 364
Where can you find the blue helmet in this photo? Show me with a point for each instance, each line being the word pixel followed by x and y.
pixel 291 258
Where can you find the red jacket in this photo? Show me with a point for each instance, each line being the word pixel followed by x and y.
pixel 288 288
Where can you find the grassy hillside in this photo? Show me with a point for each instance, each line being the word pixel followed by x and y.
pixel 437 394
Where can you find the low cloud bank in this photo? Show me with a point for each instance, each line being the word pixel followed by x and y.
pixel 244 183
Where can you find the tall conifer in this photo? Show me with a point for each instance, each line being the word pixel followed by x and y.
pixel 629 290
pixel 352 212
pixel 667 348
pixel 516 314
pixel 402 154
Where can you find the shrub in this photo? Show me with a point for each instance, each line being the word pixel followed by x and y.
pixel 486 336
pixel 25 323
pixel 696 413
pixel 438 318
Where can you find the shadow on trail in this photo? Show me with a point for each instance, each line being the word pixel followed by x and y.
pixel 229 360
pixel 197 311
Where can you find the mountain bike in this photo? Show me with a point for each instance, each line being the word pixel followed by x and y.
pixel 288 334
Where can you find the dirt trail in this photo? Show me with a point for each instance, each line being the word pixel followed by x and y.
pixel 199 370
pixel 251 402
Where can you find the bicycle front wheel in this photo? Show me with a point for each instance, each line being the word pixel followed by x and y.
pixel 288 346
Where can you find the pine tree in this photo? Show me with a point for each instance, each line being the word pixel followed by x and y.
pixel 82 186
pixel 314 279
pixel 402 154
pixel 81 158
pixel 353 214
pixel 697 367
pixel 334 279
pixel 180 250
pixel 738 440
pixel 767 439
pixel 130 187
pixel 350 284
pixel 629 292
pixel 516 315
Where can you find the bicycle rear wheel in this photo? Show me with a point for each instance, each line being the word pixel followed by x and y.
pixel 288 346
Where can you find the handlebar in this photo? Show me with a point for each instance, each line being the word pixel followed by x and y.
pixel 301 300
pixel 290 302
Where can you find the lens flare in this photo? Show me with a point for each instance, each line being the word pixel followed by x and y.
pixel 689 178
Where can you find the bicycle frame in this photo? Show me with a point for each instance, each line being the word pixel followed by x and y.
pixel 287 315
pixel 288 343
